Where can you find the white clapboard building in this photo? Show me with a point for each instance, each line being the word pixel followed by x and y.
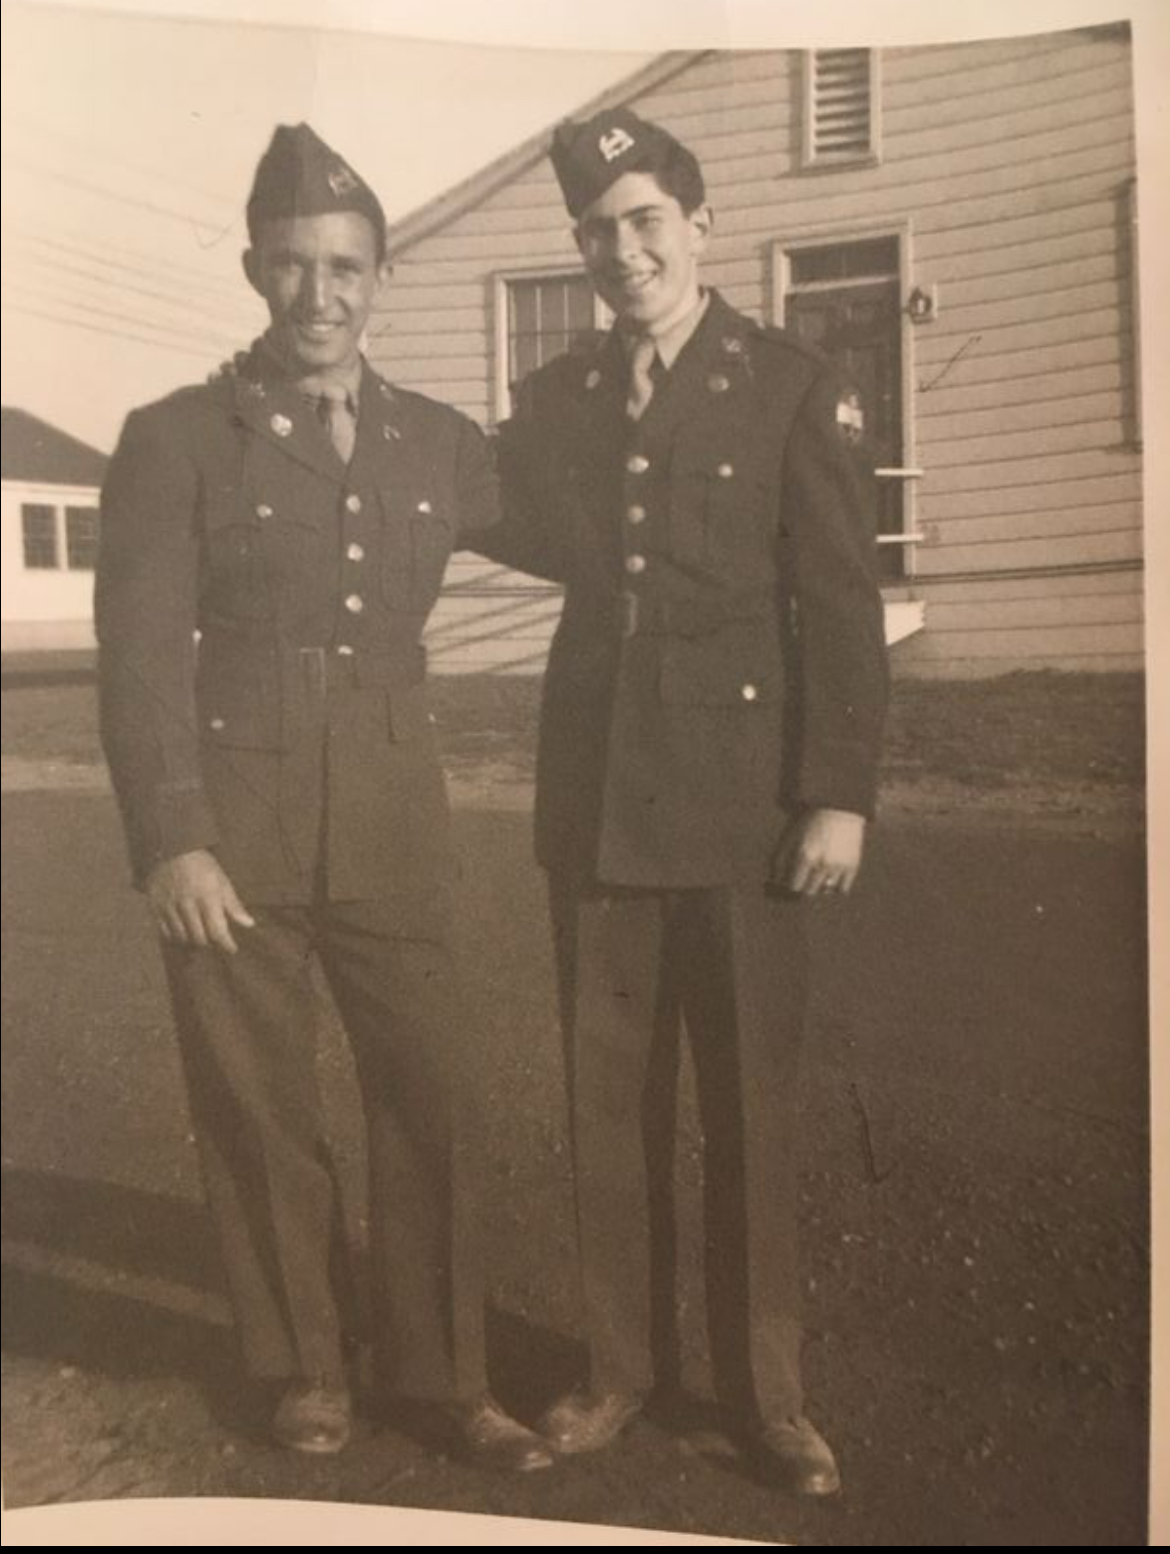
pixel 955 223
pixel 48 535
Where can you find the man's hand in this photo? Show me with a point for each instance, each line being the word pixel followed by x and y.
pixel 822 852
pixel 194 902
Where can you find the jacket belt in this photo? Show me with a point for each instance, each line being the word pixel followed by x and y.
pixel 330 669
pixel 639 616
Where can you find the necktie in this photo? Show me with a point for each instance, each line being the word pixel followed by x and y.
pixel 645 369
pixel 335 412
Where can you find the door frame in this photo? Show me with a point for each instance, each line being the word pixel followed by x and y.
pixel 780 284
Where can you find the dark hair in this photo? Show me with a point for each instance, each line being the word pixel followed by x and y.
pixel 677 173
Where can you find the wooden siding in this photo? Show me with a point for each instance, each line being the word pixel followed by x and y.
pixel 1009 164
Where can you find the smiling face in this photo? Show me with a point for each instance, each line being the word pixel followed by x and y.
pixel 642 250
pixel 320 276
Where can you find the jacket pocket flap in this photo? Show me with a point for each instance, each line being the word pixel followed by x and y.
pixel 701 673
pixel 239 700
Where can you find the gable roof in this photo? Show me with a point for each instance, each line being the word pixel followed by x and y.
pixel 35 451
pixel 445 207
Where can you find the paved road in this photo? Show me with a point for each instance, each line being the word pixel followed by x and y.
pixel 975 1204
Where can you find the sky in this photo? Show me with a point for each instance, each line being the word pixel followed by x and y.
pixel 128 149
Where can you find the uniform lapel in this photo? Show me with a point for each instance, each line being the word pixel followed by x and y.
pixel 378 430
pixel 279 416
pixel 706 385
pixel 601 390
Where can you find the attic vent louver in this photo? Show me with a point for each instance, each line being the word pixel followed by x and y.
pixel 840 106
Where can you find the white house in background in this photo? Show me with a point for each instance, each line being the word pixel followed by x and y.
pixel 955 223
pixel 48 539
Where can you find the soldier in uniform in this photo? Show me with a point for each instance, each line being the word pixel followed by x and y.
pixel 709 735
pixel 272 544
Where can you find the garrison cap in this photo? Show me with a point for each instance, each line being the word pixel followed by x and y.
pixel 299 175
pixel 589 157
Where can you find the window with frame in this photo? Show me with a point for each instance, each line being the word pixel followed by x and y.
pixel 546 316
pixel 59 539
pixel 841 107
pixel 38 527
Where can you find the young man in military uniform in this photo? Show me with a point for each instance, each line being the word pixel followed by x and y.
pixel 709 735
pixel 282 799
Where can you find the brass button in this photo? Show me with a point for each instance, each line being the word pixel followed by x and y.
pixel 353 503
pixel 345 650
pixel 217 724
pixel 725 471
pixel 355 604
pixel 263 510
pixel 281 425
pixel 637 463
pixel 636 514
pixel 354 551
pixel 635 564
pixel 749 693
pixel 718 383
pixel 424 506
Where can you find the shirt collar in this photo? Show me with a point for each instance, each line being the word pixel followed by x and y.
pixel 671 341
pixel 314 385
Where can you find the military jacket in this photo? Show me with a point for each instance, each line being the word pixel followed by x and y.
pixel 720 659
pixel 259 607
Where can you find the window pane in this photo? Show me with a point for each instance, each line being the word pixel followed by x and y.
pixel 81 538
pixel 524 358
pixel 38 524
pixel 544 316
pixel 523 294
pixel 845 261
pixel 580 309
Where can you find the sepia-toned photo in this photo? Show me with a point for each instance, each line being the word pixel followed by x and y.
pixel 574 684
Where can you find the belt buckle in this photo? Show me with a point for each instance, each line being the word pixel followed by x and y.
pixel 629 613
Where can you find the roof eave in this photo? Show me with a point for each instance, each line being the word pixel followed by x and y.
pixel 470 191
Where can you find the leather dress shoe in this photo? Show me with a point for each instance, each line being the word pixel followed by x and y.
pixel 313 1418
pixel 792 1454
pixel 588 1421
pixel 491 1438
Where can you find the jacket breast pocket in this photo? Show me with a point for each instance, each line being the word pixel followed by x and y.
pixel 256 557
pixel 720 516
pixel 704 672
pixel 236 583
pixel 418 535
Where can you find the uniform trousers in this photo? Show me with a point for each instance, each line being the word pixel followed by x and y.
pixel 730 966
pixel 247 1036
